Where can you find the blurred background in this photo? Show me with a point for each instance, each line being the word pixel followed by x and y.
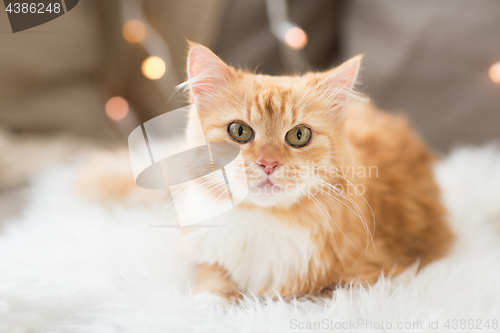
pixel 93 74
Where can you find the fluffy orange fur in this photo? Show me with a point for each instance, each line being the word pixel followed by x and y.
pixel 372 205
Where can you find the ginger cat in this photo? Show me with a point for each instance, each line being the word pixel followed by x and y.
pixel 339 192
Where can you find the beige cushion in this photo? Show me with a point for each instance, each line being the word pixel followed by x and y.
pixel 430 59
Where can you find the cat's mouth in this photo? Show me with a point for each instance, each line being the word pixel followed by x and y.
pixel 267 185
pixel 266 192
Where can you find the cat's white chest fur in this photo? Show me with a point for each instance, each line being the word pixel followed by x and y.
pixel 256 249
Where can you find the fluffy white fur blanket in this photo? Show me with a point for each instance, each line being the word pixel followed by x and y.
pixel 68 265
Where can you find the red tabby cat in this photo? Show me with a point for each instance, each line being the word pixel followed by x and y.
pixel 338 191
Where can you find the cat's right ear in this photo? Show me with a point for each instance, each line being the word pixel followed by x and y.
pixel 206 72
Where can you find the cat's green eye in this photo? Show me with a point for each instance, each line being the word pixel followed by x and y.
pixel 240 132
pixel 298 136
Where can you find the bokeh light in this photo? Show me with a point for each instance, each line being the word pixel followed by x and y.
pixel 134 31
pixel 153 68
pixel 495 72
pixel 117 108
pixel 296 38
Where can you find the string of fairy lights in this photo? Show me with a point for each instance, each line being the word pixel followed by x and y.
pixel 137 30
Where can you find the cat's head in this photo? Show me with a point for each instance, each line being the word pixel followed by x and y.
pixel 286 126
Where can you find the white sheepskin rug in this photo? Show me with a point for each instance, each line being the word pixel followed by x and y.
pixel 69 265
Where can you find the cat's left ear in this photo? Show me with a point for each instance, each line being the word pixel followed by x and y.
pixel 338 83
pixel 207 73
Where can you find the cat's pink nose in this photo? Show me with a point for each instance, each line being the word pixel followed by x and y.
pixel 269 165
